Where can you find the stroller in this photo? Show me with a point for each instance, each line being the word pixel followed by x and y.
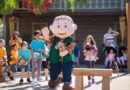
pixel 114 66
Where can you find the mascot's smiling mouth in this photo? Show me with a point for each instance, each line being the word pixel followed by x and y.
pixel 61 33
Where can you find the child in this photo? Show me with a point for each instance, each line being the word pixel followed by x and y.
pixel 110 58
pixel 122 56
pixel 3 55
pixel 24 62
pixel 13 61
pixel 76 53
pixel 90 58
pixel 44 60
pixel 44 65
pixel 37 46
pixel 15 39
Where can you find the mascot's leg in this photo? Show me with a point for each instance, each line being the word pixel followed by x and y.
pixel 55 70
pixel 67 71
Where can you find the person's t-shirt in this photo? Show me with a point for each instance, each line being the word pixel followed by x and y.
pixel 25 54
pixel 3 53
pixel 109 38
pixel 76 51
pixel 35 45
pixel 90 56
pixel 14 54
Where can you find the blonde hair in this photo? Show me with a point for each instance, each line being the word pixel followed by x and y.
pixel 92 40
pixel 3 41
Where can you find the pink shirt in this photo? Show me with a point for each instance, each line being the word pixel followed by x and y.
pixel 111 56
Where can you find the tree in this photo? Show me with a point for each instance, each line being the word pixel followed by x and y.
pixel 7 6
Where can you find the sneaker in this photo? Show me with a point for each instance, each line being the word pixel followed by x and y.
pixel 21 81
pixel 89 84
pixel 46 78
pixel 8 73
pixel 28 80
pixel 93 80
pixel 12 78
pixel 33 82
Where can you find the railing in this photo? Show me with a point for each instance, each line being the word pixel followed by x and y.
pixel 91 5
pixel 60 5
pixel 80 72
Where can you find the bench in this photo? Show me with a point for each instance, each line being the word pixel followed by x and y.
pixel 80 72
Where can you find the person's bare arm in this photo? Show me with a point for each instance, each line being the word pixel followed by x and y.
pixel 115 33
pixel 104 41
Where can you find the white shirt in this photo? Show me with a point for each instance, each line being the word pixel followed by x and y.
pixel 90 56
pixel 109 38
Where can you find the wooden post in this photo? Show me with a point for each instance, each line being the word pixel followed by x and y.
pixel 80 72
pixel 79 83
pixel 128 32
pixel 105 83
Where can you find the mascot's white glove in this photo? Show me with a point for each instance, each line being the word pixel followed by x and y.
pixel 45 31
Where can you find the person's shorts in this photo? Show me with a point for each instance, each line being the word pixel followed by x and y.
pixel 13 67
pixel 76 59
pixel 27 67
pixel 44 64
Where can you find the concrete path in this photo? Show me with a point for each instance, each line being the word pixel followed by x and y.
pixel 121 82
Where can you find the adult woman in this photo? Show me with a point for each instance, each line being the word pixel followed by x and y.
pixel 109 40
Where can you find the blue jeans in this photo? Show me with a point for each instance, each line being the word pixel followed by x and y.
pixel 90 64
pixel 65 68
pixel 13 67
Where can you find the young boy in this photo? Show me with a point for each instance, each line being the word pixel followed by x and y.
pixel 76 53
pixel 44 60
pixel 13 61
pixel 37 46
pixel 3 55
pixel 24 63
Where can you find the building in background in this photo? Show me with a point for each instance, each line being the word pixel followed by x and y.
pixel 92 18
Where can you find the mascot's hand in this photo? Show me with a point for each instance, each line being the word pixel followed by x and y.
pixel 45 31
pixel 63 53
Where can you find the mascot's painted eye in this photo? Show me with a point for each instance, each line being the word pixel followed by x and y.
pixel 65 26
pixel 58 26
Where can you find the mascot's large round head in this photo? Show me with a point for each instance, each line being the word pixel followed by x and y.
pixel 63 26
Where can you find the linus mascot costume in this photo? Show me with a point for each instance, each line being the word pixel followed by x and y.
pixel 61 52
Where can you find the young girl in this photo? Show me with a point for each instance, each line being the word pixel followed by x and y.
pixel 3 55
pixel 37 46
pixel 110 58
pixel 13 61
pixel 92 43
pixel 24 61
pixel 122 56
pixel 90 53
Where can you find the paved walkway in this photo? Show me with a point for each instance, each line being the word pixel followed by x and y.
pixel 121 82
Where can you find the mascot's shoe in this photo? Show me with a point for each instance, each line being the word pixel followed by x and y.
pixel 53 84
pixel 67 87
